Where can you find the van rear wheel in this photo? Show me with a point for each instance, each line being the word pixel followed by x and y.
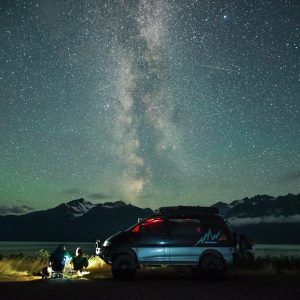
pixel 212 267
pixel 123 267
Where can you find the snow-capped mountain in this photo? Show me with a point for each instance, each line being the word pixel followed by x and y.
pixel 77 220
pixel 79 207
pixel 267 219
pixel 263 208
pixel 266 209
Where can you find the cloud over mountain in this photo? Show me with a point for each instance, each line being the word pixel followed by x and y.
pixel 16 210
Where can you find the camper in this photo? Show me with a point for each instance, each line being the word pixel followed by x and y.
pixel 192 236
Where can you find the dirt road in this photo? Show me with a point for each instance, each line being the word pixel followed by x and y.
pixel 152 286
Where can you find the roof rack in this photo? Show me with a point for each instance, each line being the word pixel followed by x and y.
pixel 187 210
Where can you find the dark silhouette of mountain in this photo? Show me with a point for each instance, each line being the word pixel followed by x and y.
pixel 222 207
pixel 267 219
pixel 103 220
pixel 77 220
pixel 261 205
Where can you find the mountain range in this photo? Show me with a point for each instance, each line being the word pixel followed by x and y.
pixel 77 220
pixel 267 219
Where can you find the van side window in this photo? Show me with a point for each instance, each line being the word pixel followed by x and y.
pixel 184 226
pixel 214 223
pixel 153 226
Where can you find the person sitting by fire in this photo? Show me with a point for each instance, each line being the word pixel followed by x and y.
pixel 79 261
pixel 58 260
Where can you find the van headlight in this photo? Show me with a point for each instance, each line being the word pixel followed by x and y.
pixel 106 243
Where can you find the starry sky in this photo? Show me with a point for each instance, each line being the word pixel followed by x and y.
pixel 153 102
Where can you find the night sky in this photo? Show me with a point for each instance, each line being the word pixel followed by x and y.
pixel 154 103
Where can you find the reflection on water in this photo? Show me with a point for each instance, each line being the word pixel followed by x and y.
pixel 89 248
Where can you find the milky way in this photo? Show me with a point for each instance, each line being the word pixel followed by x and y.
pixel 152 102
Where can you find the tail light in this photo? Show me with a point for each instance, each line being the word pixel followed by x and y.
pixel 225 238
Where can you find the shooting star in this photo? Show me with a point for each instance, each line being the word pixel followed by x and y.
pixel 106 87
pixel 220 112
pixel 218 68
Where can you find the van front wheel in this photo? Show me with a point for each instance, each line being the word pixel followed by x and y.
pixel 123 267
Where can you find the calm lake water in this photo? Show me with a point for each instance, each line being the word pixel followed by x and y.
pixel 31 248
pixel 34 247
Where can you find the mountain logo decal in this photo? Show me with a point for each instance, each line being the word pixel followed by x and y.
pixel 209 238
